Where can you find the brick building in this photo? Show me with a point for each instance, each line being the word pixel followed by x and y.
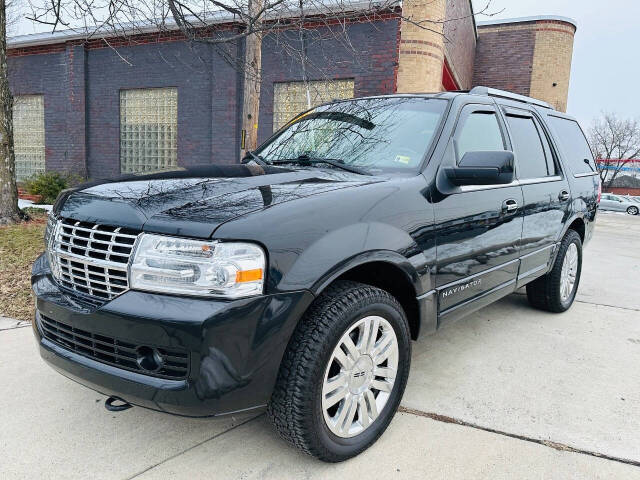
pixel 101 107
pixel 627 181
pixel 625 185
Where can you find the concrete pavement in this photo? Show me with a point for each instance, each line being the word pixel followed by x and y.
pixel 508 392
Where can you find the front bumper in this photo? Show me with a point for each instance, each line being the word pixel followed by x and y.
pixel 235 347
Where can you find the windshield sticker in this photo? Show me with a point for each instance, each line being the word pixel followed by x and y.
pixel 402 159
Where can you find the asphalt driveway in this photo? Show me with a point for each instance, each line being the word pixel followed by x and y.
pixel 509 392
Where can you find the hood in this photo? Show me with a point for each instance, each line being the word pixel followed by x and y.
pixel 195 202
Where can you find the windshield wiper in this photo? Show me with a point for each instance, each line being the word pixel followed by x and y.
pixel 306 160
pixel 255 157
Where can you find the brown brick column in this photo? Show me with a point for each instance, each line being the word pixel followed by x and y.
pixel 421 55
pixel 552 62
pixel 530 56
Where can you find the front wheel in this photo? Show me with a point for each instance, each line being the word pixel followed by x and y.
pixel 344 372
pixel 632 210
pixel 556 291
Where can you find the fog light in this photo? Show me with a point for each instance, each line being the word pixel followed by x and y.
pixel 149 359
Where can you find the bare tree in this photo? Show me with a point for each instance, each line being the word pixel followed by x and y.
pixel 221 23
pixel 13 14
pixel 252 20
pixel 614 142
pixel 9 211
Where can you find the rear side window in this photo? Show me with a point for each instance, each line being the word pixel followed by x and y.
pixel 528 147
pixel 573 144
pixel 480 133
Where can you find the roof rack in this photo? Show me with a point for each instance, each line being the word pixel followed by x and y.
pixel 494 92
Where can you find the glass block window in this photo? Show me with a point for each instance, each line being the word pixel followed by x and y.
pixel 28 135
pixel 148 129
pixel 290 98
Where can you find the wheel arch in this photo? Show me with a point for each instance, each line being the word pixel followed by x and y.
pixel 386 270
pixel 576 223
pixel 579 226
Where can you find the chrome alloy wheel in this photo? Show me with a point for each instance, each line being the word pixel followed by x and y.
pixel 360 376
pixel 569 272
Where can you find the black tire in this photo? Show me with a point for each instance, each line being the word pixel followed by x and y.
pixel 296 404
pixel 632 210
pixel 544 292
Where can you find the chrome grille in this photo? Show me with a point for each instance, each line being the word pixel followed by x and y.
pixel 91 259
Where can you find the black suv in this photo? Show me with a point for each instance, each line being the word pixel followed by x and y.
pixel 294 282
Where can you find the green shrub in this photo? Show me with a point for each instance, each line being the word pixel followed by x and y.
pixel 49 185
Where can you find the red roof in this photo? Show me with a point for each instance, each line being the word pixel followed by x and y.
pixel 612 160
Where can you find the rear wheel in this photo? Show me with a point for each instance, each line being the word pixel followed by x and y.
pixel 556 291
pixel 632 210
pixel 344 372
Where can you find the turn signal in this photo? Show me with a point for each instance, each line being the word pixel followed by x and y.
pixel 248 275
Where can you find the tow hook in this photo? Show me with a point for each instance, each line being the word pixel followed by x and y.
pixel 110 404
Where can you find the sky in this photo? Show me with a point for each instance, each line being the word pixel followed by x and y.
pixel 606 55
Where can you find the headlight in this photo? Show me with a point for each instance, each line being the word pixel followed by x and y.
pixel 195 267
pixel 50 244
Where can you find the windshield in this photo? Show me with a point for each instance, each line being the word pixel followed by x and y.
pixel 376 135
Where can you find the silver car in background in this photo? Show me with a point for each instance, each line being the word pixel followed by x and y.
pixel 617 203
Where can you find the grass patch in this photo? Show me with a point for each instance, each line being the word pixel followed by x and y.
pixel 20 245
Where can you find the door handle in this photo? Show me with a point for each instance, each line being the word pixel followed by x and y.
pixel 509 206
pixel 564 195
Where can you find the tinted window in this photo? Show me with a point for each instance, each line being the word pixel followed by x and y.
pixel 548 153
pixel 480 133
pixel 527 146
pixel 573 144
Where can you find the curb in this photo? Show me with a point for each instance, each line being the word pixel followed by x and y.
pixel 7 323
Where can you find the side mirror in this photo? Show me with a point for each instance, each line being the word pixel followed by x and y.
pixel 482 168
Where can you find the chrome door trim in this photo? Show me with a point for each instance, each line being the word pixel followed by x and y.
pixel 532 271
pixel 586 174
pixel 476 275
pixel 425 295
pixel 515 183
pixel 538 251
pixel 533 181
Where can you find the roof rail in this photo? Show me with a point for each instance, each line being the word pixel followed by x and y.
pixel 494 92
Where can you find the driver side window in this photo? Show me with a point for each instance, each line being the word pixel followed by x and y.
pixel 480 132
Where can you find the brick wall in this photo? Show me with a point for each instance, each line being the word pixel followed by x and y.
pixel 504 57
pixel 81 86
pixel 372 65
pixel 460 41
pixel 530 58
pixel 76 109
pixel 46 74
pixel 207 100
pixel 634 192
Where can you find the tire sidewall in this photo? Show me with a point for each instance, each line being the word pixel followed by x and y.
pixel 573 238
pixel 348 447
